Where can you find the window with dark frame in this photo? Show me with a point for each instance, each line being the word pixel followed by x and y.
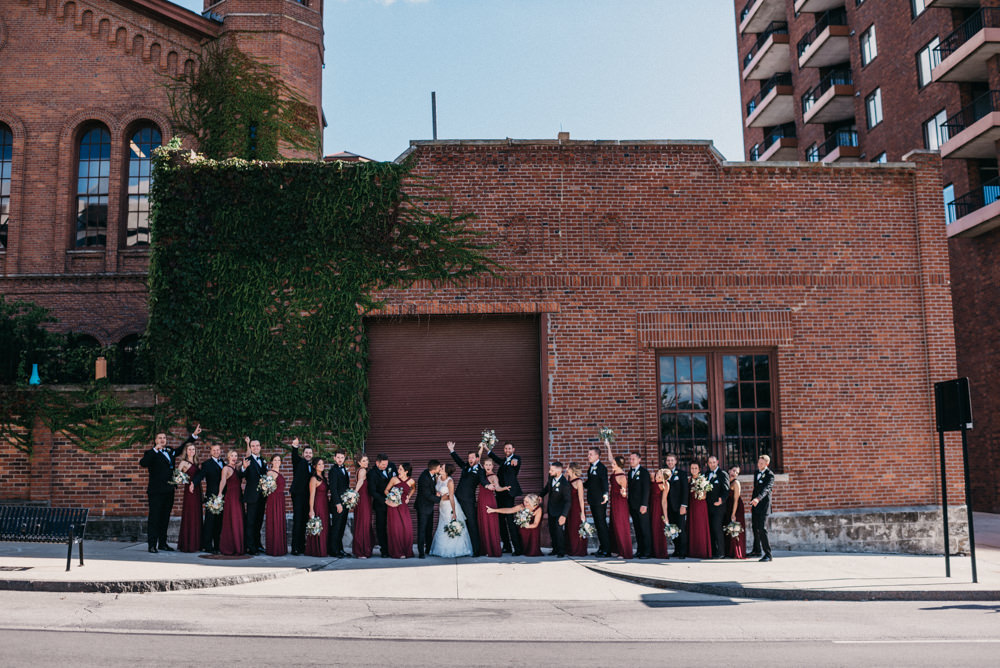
pixel 143 142
pixel 6 160
pixel 927 59
pixel 93 177
pixel 720 403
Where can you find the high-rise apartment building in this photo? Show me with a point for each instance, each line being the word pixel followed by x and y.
pixel 870 80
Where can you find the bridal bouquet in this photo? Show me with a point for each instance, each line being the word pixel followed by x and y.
pixel 671 531
pixel 454 529
pixel 701 487
pixel 733 529
pixel 214 504
pixel 267 485
pixel 314 526
pixel 489 438
pixel 395 495
pixel 607 434
pixel 179 478
pixel 523 518
pixel 587 530
pixel 349 499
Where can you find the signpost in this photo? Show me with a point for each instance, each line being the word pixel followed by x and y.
pixel 954 413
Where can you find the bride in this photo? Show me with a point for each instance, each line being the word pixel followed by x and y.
pixel 444 545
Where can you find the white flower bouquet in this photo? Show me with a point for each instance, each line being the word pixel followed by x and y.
pixel 454 529
pixel 671 531
pixel 179 478
pixel 700 486
pixel 607 434
pixel 395 496
pixel 314 526
pixel 587 530
pixel 489 438
pixel 349 499
pixel 733 529
pixel 267 485
pixel 523 518
pixel 214 504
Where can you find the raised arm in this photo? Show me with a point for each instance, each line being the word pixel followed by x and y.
pixel 505 511
pixel 611 456
pixel 296 455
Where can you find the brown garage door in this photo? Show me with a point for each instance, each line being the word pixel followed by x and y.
pixel 437 379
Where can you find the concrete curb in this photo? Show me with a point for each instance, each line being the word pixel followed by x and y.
pixel 736 590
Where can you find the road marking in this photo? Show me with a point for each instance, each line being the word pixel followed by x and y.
pixel 919 641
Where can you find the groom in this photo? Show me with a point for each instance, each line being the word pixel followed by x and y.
pixel 472 477
pixel 427 499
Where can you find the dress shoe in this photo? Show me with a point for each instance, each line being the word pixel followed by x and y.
pixel 153 550
pixel 295 553
pixel 753 554
pixel 517 554
pixel 165 548
pixel 420 556
pixel 643 556
pixel 766 557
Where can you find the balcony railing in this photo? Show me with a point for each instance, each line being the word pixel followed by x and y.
pixel 981 106
pixel 834 78
pixel 777 133
pixel 982 196
pixel 837 139
pixel 746 10
pixel 833 17
pixel 987 17
pixel 783 79
pixel 731 451
pixel 773 28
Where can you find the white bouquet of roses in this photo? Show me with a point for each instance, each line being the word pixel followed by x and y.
pixel 395 496
pixel 671 531
pixel 489 438
pixel 179 478
pixel 587 530
pixel 733 529
pixel 214 504
pixel 523 518
pixel 607 434
pixel 267 485
pixel 454 529
pixel 700 486
pixel 314 526
pixel 349 499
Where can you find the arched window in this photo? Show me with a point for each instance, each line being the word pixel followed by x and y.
pixel 6 157
pixel 92 187
pixel 144 140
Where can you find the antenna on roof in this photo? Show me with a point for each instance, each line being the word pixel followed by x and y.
pixel 434 115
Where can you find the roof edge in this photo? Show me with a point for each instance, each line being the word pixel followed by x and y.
pixel 180 17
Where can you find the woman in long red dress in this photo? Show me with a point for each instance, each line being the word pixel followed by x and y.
pixel 736 548
pixel 231 539
pixel 658 491
pixel 276 527
pixel 699 532
pixel 190 536
pixel 361 540
pixel 621 530
pixel 531 535
pixel 576 546
pixel 319 506
pixel 399 524
pixel 489 523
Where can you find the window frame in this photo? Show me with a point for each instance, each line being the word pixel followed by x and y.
pixel 880 159
pixel 949 211
pixel 6 183
pixel 869 44
pixel 938 119
pixel 83 131
pixel 929 50
pixel 125 210
pixel 914 12
pixel 874 100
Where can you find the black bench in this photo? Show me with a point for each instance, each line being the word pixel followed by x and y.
pixel 27 524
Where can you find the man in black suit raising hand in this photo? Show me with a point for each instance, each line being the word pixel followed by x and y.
pixel 472 477
pixel 558 490
pixel 596 485
pixel 509 467
pixel 302 471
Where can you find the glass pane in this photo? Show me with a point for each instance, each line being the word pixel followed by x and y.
pixel 668 397
pixel 684 425
pixel 683 369
pixel 699 423
pixel 764 423
pixel 729 364
pixel 746 395
pixel 684 396
pixel 698 373
pixel 761 367
pixel 700 395
pixel 730 396
pixel 668 426
pixel 666 369
pixel 747 421
pixel 732 424
pixel 746 367
pixel 763 395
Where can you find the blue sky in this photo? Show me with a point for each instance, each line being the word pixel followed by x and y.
pixel 599 69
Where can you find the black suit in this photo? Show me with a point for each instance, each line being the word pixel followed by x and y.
pixel 638 496
pixel 159 492
pixel 253 504
pixel 507 474
pixel 763 481
pixel 377 482
pixel 717 514
pixel 677 498
pixel 558 491
pixel 340 482
pixel 427 499
pixel 302 471
pixel 211 472
pixel 465 493
pixel 596 485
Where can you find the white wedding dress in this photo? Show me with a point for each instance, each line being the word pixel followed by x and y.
pixel 443 545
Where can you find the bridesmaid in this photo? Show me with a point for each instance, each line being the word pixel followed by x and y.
pixel 576 546
pixel 699 533
pixel 190 536
pixel 658 492
pixel 489 525
pixel 319 506
pixel 361 541
pixel 621 531
pixel 399 524
pixel 736 548
pixel 275 532
pixel 531 535
pixel 231 540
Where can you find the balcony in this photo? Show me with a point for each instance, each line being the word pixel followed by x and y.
pixel 816 6
pixel 832 100
pixel 770 54
pixel 976 212
pixel 964 53
pixel 840 146
pixel 774 104
pixel 828 43
pixel 757 14
pixel 974 131
pixel 779 145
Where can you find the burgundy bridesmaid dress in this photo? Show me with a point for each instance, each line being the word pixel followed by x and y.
pixel 656 508
pixel 736 548
pixel 699 533
pixel 316 545
pixel 399 526
pixel 276 527
pixel 621 531
pixel 531 539
pixel 231 540
pixel 361 543
pixel 489 524
pixel 576 546
pixel 190 537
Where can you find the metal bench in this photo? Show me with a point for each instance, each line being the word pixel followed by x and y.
pixel 27 524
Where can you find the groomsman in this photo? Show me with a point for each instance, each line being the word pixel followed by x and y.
pixel 761 508
pixel 253 501
pixel 340 482
pixel 302 471
pixel 378 479
pixel 211 472
pixel 718 501
pixel 465 493
pixel 558 490
pixel 638 505
pixel 596 485
pixel 677 499
pixel 159 462
pixel 427 499
pixel 509 467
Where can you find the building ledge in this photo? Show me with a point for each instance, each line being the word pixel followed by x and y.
pixel 977 222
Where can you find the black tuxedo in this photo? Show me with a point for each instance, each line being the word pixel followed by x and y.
pixel 427 499
pixel 677 498
pixel 377 482
pixel 159 464
pixel 558 491
pixel 339 482
pixel 638 496
pixel 717 514
pixel 211 528
pixel 302 471
pixel 253 504
pixel 597 488
pixel 507 474
pixel 763 481
pixel 465 493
